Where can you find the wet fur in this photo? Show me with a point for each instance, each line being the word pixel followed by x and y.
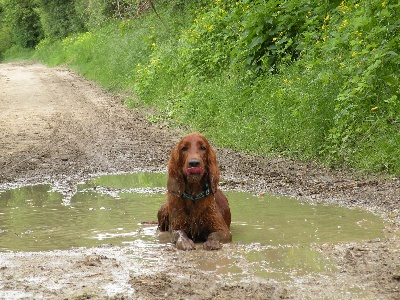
pixel 205 220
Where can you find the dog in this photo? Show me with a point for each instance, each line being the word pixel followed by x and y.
pixel 195 210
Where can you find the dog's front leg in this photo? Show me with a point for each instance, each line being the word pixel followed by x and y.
pixel 182 241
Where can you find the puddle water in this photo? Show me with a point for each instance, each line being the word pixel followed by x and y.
pixel 271 220
pixel 111 210
pixel 35 219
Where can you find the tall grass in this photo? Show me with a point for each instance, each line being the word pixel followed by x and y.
pixel 323 85
pixel 17 53
pixel 108 55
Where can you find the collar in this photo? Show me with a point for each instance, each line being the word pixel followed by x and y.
pixel 202 195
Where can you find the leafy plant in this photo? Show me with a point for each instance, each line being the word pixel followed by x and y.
pixel 20 23
pixel 308 79
pixel 59 18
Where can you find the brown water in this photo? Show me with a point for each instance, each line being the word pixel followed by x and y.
pixel 273 234
pixel 272 220
pixel 112 209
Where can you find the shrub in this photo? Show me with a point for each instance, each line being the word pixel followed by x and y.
pixel 59 18
pixel 21 23
pixel 307 79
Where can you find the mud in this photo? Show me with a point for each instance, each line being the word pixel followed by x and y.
pixel 58 128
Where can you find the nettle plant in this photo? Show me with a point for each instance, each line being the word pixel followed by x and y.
pixel 206 45
pixel 255 35
pixel 361 40
pixel 275 32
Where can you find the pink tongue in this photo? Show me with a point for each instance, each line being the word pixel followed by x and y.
pixel 195 170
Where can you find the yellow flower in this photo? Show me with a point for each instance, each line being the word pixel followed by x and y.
pixel 374 108
pixel 327 18
pixel 274 39
pixel 383 4
pixel 287 81
pixel 354 54
pixel 343 7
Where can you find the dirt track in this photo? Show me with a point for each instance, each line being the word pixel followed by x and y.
pixel 56 127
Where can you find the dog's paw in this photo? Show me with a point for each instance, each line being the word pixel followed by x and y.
pixel 182 241
pixel 185 244
pixel 212 245
pixel 224 236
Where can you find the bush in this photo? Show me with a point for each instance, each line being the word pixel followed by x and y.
pixel 304 78
pixel 59 18
pixel 20 23
pixel 307 79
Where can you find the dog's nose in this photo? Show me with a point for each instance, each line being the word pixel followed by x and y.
pixel 194 163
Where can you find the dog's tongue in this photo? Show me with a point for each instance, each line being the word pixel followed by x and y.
pixel 195 171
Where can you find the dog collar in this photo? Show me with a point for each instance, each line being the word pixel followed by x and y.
pixel 202 195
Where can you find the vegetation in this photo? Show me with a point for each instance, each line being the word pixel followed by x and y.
pixel 307 79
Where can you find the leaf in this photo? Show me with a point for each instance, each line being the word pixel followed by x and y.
pixel 257 41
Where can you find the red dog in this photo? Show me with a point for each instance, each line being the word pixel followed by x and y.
pixel 196 210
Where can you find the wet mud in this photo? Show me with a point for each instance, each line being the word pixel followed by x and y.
pixel 59 129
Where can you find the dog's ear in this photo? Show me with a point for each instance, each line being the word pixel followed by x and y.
pixel 213 171
pixel 176 182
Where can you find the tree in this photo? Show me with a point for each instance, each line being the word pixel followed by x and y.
pixel 20 19
pixel 59 18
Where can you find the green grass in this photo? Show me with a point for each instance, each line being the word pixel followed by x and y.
pixel 17 53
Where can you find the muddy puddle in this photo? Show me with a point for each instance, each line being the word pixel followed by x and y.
pixel 273 235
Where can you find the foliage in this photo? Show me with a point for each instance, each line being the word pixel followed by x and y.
pixel 59 18
pixel 95 13
pixel 25 23
pixel 308 79
pixel 364 45
pixel 257 35
pixel 16 52
pixel 5 34
pixel 20 24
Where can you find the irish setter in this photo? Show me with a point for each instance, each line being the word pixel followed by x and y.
pixel 196 210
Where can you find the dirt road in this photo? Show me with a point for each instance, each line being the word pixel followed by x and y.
pixel 58 128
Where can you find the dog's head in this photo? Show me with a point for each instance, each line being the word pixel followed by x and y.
pixel 191 160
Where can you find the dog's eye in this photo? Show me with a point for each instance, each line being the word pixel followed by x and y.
pixel 203 148
pixel 184 149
